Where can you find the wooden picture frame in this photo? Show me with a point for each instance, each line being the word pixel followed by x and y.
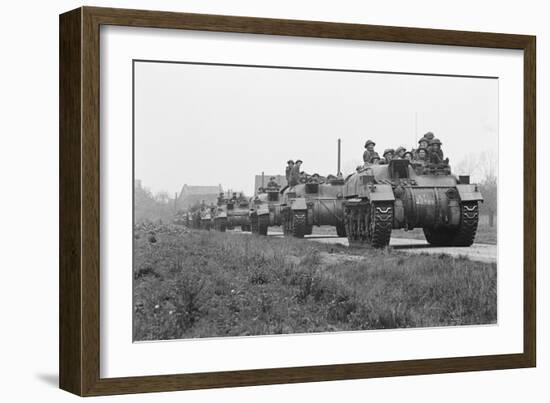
pixel 79 281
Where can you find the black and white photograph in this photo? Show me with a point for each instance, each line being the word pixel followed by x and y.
pixel 278 200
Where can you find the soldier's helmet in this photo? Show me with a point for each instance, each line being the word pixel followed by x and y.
pixel 429 136
pixel 408 153
pixel 399 149
pixel 388 151
pixel 435 141
pixel 290 162
pixel 299 161
pixel 423 139
pixel 421 149
pixel 369 142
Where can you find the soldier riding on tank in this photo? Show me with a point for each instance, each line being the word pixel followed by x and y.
pixel 400 152
pixel 369 153
pixel 388 155
pixel 436 153
pixel 288 170
pixel 294 177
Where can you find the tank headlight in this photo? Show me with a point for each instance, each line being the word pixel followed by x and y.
pixel 452 193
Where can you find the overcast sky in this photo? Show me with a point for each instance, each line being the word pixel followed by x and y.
pixel 210 125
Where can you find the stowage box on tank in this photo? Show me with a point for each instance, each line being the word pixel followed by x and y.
pixel 402 195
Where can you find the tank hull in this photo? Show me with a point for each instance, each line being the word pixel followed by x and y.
pixel 382 198
pixel 311 204
pixel 265 212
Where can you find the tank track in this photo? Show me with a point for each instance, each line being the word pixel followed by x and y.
pixel 464 235
pixel 263 224
pixel 341 230
pixel 382 216
pixel 299 224
pixel 468 225
pixel 220 224
pixel 369 223
pixel 254 224
pixel 286 223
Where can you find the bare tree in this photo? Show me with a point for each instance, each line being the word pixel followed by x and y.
pixel 483 168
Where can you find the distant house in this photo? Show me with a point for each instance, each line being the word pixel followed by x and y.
pixel 190 195
pixel 280 179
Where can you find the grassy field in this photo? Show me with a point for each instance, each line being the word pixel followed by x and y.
pixel 206 284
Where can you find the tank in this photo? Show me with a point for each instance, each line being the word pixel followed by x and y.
pixel 220 214
pixel 313 202
pixel 205 214
pixel 265 210
pixel 407 195
pixel 232 213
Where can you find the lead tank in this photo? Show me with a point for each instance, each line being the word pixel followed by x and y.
pixel 314 202
pixel 405 195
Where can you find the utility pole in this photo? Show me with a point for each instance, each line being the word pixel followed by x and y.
pixel 338 172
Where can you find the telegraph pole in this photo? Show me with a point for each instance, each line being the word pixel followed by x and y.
pixel 339 149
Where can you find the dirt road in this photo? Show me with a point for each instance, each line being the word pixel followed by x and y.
pixel 478 252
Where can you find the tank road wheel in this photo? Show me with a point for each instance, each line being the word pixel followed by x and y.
pixel 299 224
pixel 369 223
pixel 464 235
pixel 341 230
pixel 263 224
pixel 254 224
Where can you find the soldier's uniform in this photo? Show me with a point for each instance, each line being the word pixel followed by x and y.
pixel 422 144
pixel 388 154
pixel 429 136
pixel 289 166
pixel 400 152
pixel 436 153
pixel 417 156
pixel 294 175
pixel 369 155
